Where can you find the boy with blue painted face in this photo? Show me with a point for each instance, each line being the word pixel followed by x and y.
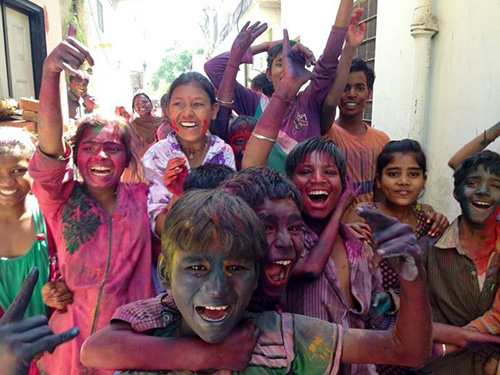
pixel 212 244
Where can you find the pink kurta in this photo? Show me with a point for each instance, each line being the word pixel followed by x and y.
pixel 105 260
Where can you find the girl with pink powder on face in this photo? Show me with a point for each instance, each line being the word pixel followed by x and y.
pixel 191 106
pixel 100 225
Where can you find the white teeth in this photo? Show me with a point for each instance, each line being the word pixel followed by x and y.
pixel 216 307
pixel 7 192
pixel 479 203
pixel 100 169
pixel 283 262
pixel 188 124
pixel 318 192
pixel 350 104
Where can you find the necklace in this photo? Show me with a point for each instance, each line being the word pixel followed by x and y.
pixel 190 152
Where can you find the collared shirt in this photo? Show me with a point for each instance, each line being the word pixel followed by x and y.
pixel 455 295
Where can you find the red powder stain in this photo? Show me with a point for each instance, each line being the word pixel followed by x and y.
pixel 239 223
pixel 215 237
pixel 174 125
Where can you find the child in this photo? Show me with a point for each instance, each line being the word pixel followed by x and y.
pixel 192 106
pixel 302 118
pixel 207 176
pixel 214 276
pixel 239 133
pixel 463 266
pixel 100 225
pixel 401 176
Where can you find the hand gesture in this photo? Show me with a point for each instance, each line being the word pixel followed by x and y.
pixel 175 175
pixel 439 223
pixel 355 31
pixel 380 304
pixel 22 339
pixel 393 240
pixel 57 295
pixel 294 72
pixel 235 352
pixel 246 37
pixel 69 55
pixel 348 196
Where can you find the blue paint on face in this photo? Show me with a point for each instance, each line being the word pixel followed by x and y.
pixel 212 291
pixel 479 196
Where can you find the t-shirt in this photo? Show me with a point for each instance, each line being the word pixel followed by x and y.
pixel 361 153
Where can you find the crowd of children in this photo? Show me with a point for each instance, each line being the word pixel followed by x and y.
pixel 292 241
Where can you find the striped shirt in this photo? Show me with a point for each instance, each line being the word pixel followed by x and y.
pixel 455 295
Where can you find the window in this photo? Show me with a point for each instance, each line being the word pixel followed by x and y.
pixel 366 50
pixel 100 16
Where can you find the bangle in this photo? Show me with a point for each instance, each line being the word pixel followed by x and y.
pixel 288 101
pixel 263 137
pixel 225 104
pixel 485 141
pixel 443 346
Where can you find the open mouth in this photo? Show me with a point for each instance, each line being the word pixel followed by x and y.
pixel 214 313
pixel 278 271
pixel 188 125
pixel 350 104
pixel 100 171
pixel 481 204
pixel 403 192
pixel 8 192
pixel 318 196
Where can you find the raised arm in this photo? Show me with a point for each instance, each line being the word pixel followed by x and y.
pixel 354 37
pixel 410 341
pixel 266 130
pixel 119 347
pixel 477 144
pixel 67 56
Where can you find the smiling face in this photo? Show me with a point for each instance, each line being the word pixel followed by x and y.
pixel 275 74
pixel 101 158
pixel 15 182
pixel 318 180
pixel 142 106
pixel 239 134
pixel 78 87
pixel 356 93
pixel 212 291
pixel 190 111
pixel 402 180
pixel 479 196
pixel 285 239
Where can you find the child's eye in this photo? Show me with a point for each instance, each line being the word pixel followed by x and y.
pixel 113 150
pixel 178 104
pixel 197 267
pixel 495 186
pixel 294 228
pixel 269 228
pixel 89 148
pixel 414 174
pixel 304 172
pixel 392 174
pixel 331 172
pixel 472 183
pixel 236 267
pixel 20 170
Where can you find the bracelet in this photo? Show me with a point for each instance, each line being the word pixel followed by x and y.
pixel 485 141
pixel 443 346
pixel 288 101
pixel 263 137
pixel 225 104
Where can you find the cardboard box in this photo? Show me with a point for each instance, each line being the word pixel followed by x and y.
pixel 28 104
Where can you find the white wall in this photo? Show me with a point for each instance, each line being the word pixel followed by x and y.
pixel 463 97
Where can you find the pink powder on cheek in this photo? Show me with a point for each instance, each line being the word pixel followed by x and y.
pixel 174 125
pixel 204 126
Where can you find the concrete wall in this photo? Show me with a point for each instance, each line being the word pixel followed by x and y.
pixel 464 83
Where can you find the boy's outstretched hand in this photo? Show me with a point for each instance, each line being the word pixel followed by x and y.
pixel 356 31
pixel 294 72
pixel 393 240
pixel 22 339
pixel 246 37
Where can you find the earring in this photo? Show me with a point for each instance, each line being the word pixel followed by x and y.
pixel 421 193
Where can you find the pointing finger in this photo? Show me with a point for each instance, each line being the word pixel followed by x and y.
pixel 18 307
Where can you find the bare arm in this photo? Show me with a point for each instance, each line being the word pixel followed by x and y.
pixel 67 56
pixel 354 37
pixel 410 341
pixel 477 144
pixel 311 266
pixel 119 347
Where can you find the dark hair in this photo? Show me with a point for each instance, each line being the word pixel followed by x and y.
pixel 164 104
pixel 275 51
pixel 207 176
pixel 310 145
pixel 358 65
pixel 256 184
pixel 199 79
pixel 490 161
pixel 139 94
pixel 261 81
pixel 403 146
pixel 250 120
pixel 84 77
pixel 204 219
pixel 96 121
